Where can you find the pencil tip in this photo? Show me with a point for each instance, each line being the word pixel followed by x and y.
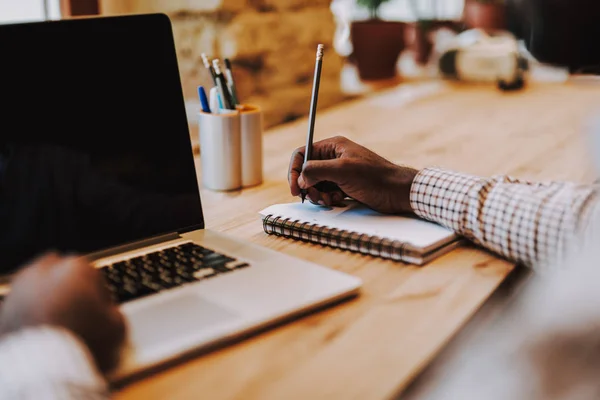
pixel 205 60
pixel 216 66
pixel 320 51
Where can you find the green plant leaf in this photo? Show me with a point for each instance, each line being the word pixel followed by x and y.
pixel 371 5
pixel 426 24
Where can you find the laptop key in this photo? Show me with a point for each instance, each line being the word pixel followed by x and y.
pixel 179 280
pixel 127 292
pixel 145 276
pixel 151 287
pixel 118 266
pixel 185 274
pixel 216 259
pixel 113 277
pixel 235 264
pixel 137 262
pixel 166 263
pixel 221 267
pixel 147 289
pixel 166 281
pixel 133 273
pixel 204 273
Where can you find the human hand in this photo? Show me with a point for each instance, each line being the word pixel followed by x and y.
pixel 69 293
pixel 340 168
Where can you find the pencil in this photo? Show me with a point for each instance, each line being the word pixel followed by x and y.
pixel 313 110
pixel 231 82
pixel 209 67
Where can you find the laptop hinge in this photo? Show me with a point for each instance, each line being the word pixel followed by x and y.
pixel 132 246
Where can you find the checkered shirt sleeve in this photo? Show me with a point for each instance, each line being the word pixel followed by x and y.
pixel 529 223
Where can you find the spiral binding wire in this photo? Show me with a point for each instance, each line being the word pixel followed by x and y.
pixel 335 238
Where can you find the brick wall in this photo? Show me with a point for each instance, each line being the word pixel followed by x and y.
pixel 271 43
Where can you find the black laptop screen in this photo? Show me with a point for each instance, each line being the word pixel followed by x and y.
pixel 94 143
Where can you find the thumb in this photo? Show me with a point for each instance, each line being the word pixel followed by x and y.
pixel 321 170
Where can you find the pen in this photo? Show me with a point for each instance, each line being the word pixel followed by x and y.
pixel 203 99
pixel 313 110
pixel 209 67
pixel 222 86
pixel 215 103
pixel 231 82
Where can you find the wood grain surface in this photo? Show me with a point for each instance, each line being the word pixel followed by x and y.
pixel 371 347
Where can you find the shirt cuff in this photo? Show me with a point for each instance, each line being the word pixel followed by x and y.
pixel 442 196
pixel 47 356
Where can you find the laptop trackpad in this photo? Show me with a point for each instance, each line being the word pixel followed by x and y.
pixel 177 317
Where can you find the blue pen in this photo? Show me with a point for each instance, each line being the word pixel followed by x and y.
pixel 203 99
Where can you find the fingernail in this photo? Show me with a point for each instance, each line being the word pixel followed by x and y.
pixel 321 202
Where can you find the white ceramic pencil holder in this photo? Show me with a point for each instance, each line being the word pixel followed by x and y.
pixel 251 124
pixel 221 150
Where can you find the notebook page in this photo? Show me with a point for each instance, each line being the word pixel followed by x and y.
pixel 358 218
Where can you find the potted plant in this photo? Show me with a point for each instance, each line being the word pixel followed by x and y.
pixel 489 15
pixel 376 43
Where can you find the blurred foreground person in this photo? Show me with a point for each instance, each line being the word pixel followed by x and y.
pixel 60 332
pixel 546 346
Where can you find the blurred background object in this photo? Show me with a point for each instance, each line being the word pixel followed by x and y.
pixel 428 17
pixel 481 57
pixel 271 45
pixel 372 63
pixel 369 44
pixel 560 33
pixel 489 15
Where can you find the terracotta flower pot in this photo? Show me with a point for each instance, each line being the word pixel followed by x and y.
pixel 487 16
pixel 376 47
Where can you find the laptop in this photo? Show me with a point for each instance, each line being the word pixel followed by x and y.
pixel 96 158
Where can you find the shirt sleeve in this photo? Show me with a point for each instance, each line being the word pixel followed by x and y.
pixel 530 223
pixel 48 363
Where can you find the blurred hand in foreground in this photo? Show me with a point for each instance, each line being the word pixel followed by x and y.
pixel 66 292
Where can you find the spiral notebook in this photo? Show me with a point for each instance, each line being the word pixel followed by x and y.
pixel 357 228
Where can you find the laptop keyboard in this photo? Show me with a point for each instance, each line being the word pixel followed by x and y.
pixel 165 269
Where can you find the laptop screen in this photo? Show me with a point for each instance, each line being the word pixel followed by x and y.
pixel 94 143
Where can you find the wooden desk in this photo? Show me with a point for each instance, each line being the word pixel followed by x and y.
pixel 371 347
